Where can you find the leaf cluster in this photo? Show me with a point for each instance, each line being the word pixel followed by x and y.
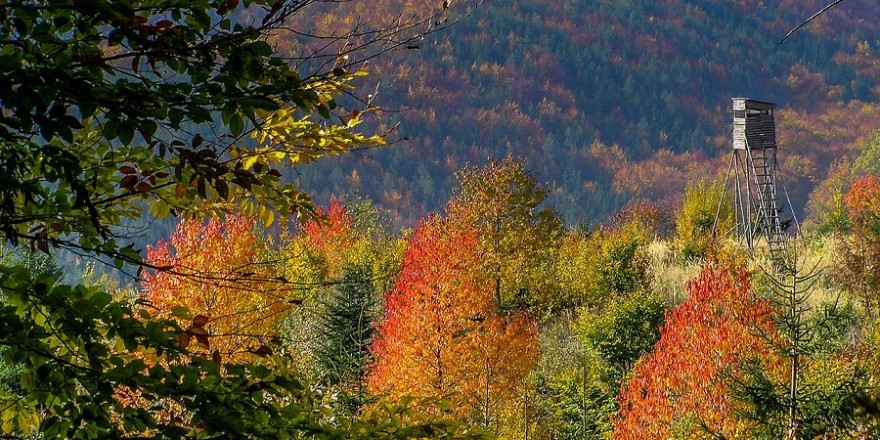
pixel 703 214
pixel 144 104
pixel 503 203
pixel 625 330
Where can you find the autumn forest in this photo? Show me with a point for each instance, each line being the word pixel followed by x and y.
pixel 419 219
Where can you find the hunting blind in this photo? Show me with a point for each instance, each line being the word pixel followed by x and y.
pixel 755 173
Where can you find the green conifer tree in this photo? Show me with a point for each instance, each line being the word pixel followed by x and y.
pixel 346 327
pixel 817 394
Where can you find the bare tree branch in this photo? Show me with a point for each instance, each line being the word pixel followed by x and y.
pixel 813 17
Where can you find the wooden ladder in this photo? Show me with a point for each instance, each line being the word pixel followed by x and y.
pixel 767 209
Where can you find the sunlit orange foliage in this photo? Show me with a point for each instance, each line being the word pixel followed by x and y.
pixel 857 258
pixel 863 201
pixel 215 270
pixel 332 234
pixel 435 295
pixel 440 333
pixel 682 387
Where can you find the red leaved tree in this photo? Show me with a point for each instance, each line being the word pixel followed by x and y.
pixel 332 234
pixel 682 389
pixel 440 334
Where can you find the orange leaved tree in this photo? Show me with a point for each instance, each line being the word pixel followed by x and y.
pixel 440 334
pixel 214 270
pixel 857 259
pixel 682 389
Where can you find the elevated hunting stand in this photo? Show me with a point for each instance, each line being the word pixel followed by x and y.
pixel 754 167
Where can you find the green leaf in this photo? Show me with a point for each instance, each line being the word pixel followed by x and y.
pixel 182 313
pixel 236 125
pixel 198 114
pixel 149 126
pixel 261 103
pixel 111 129
pixel 227 113
pixel 175 117
pixel 260 48
pixel 126 132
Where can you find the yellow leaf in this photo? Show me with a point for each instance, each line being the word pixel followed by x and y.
pixel 247 208
pixel 7 416
pixel 269 217
pixel 250 161
pixel 278 156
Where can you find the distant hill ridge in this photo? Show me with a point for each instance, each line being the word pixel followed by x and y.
pixel 610 100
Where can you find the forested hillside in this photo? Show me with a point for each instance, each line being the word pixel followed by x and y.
pixel 201 129
pixel 608 101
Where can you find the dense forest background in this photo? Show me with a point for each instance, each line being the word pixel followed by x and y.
pixel 608 101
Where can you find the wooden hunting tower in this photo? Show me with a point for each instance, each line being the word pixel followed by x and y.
pixel 754 166
pixel 753 125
